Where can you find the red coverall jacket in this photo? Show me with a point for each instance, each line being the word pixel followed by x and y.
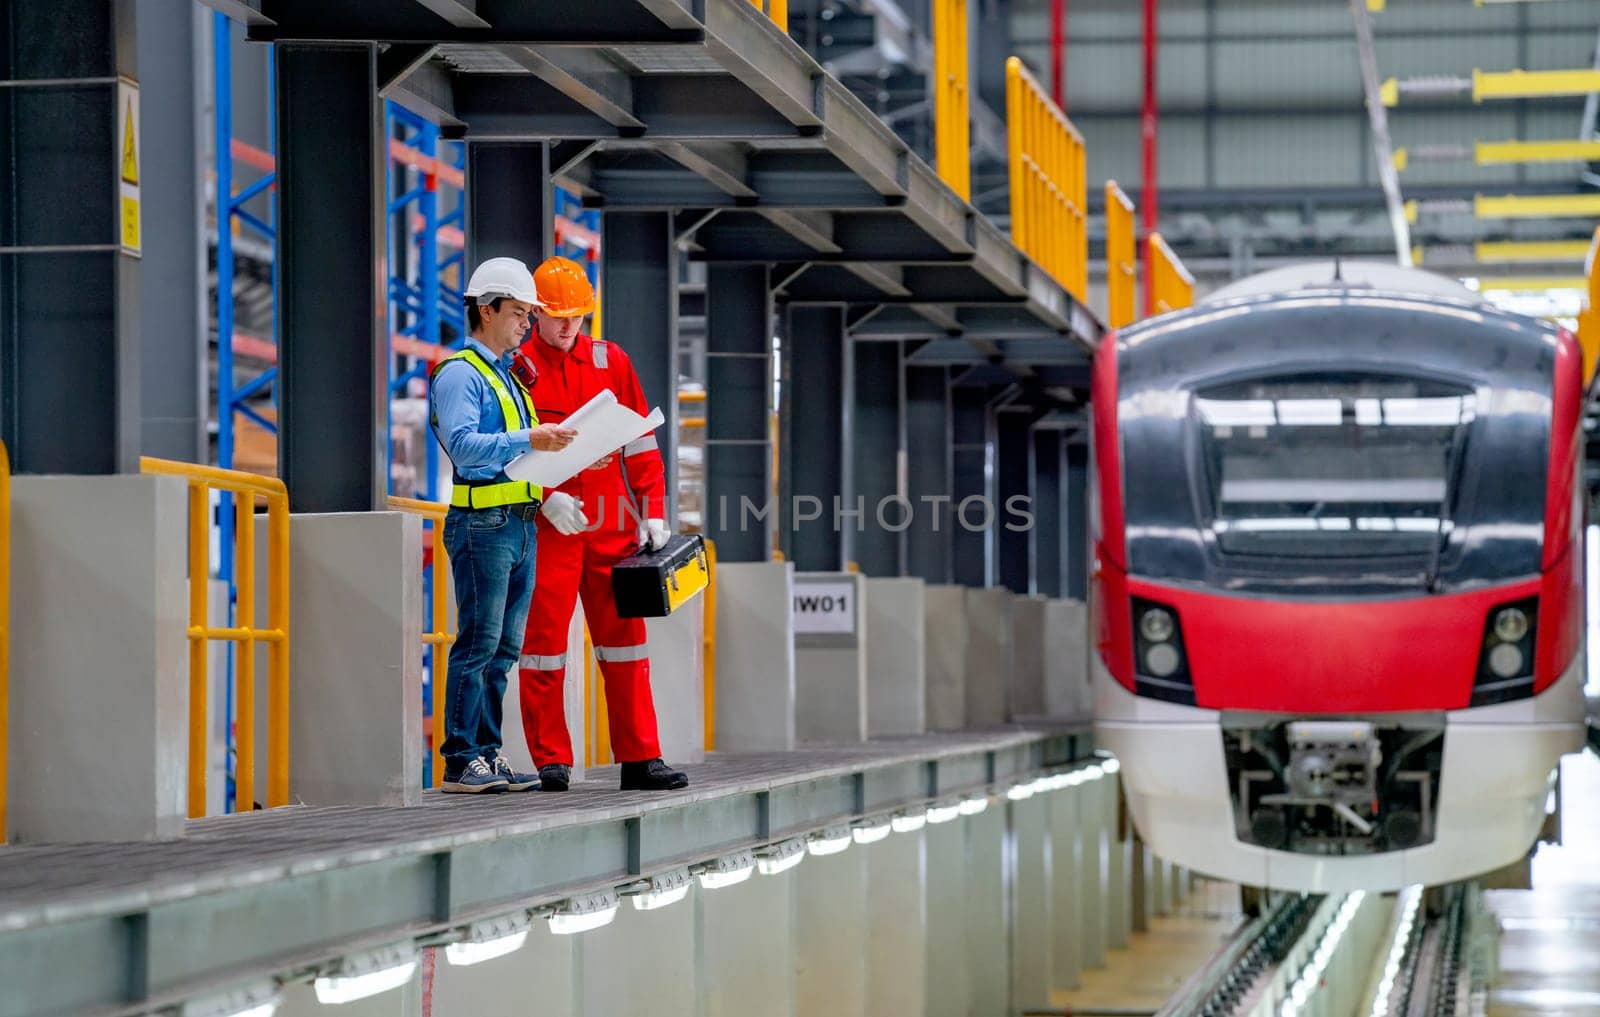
pixel 615 497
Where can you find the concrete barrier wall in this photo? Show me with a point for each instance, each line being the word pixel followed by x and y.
pixel 755 665
pixel 1067 692
pixel 99 658
pixel 990 656
pixel 1030 637
pixel 355 698
pixel 896 657
pixel 945 635
pixel 831 666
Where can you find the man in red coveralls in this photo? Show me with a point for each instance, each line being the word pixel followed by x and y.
pixel 625 497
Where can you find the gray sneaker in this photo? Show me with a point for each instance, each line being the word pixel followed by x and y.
pixel 514 781
pixel 475 778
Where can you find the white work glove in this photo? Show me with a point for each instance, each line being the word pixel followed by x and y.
pixel 653 534
pixel 564 512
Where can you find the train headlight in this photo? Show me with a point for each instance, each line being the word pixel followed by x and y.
pixel 1510 625
pixel 1156 626
pixel 1161 660
pixel 1506 659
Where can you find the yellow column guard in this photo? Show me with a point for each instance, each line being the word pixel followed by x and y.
pixel 439 636
pixel 246 487
pixel 1122 258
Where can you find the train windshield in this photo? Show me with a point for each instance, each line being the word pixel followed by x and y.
pixel 1331 466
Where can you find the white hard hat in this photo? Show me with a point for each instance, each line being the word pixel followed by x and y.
pixel 502 277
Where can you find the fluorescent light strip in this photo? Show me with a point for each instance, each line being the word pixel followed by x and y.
pixel 1020 792
pixel 580 914
pixel 333 989
pixel 872 831
pixel 943 813
pixel 260 999
pixel 829 842
pixel 650 900
pixel 475 953
pixel 973 806
pixel 909 822
pixel 718 879
pixel 781 857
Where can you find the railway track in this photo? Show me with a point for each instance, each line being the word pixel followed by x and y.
pixel 1413 954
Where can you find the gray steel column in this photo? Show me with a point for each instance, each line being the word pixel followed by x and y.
pixel 509 202
pixel 738 406
pixel 991 29
pixel 1012 497
pixel 928 443
pixel 815 450
pixel 1047 468
pixel 875 445
pixel 639 297
pixel 172 325
pixel 69 300
pixel 972 562
pixel 1075 516
pixel 333 329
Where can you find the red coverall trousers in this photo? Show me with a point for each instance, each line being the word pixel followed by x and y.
pixel 580 565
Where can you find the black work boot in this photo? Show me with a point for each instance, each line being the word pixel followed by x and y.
pixel 554 777
pixel 652 775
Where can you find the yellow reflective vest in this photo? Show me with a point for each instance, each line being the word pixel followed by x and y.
pixel 491 493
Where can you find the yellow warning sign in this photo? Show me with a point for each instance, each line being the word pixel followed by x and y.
pixel 129 208
pixel 130 145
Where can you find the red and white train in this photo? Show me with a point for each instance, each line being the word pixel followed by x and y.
pixel 1337 600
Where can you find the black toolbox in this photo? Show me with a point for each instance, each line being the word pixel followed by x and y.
pixel 652 584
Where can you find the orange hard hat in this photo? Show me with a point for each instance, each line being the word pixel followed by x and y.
pixel 564 289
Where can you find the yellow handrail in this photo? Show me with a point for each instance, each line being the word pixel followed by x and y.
pixel 1049 183
pixel 1122 258
pixel 710 641
pixel 439 637
pixel 5 628
pixel 1171 285
pixel 951 104
pixel 275 635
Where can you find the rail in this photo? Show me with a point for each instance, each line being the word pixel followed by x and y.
pixel 5 628
pixel 952 122
pixel 438 637
pixel 1122 258
pixel 1169 287
pixel 247 487
pixel 1049 183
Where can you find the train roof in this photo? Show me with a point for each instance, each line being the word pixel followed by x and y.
pixel 1372 276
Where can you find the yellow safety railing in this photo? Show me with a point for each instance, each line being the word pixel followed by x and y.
pixel 709 663
pixel 777 10
pixel 1589 317
pixel 952 140
pixel 1171 285
pixel 246 487
pixel 438 637
pixel 1049 186
pixel 1122 258
pixel 5 628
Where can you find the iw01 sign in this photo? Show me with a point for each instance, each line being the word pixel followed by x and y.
pixel 827 607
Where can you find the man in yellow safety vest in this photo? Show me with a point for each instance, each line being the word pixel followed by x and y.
pixel 484 419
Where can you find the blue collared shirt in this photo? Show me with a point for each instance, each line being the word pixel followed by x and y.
pixel 471 426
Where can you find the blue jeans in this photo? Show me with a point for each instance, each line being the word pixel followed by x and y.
pixel 491 560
